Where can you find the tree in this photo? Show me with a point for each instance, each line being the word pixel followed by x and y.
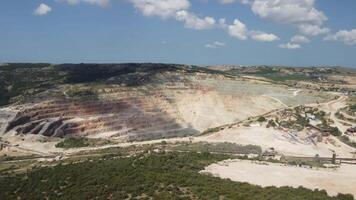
pixel 261 119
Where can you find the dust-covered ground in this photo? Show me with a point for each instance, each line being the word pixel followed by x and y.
pixel 340 180
pixel 283 142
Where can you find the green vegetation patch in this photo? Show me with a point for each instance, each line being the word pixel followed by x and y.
pixel 82 142
pixel 277 74
pixel 353 108
pixel 213 130
pixel 21 81
pixel 145 176
pixel 261 119
pixel 221 147
pixel 285 77
pixel 78 91
pixel 73 143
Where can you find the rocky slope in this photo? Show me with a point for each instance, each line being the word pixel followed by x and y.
pixel 133 101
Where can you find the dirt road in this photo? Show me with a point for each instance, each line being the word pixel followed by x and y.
pixel 332 107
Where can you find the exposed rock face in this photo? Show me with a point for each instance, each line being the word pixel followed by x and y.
pixel 20 120
pixel 143 106
pixel 6 116
pixel 126 116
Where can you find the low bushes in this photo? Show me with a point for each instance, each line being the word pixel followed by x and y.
pixel 145 176
pixel 73 143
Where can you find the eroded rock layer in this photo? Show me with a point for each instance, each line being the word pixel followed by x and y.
pixel 147 105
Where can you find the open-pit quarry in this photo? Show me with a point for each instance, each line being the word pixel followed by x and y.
pixel 172 105
pixel 134 105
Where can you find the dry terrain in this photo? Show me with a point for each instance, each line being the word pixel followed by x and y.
pixel 334 181
pixel 288 111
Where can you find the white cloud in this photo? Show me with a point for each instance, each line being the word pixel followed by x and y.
pixel 102 3
pixel 289 46
pixel 347 37
pixel 161 8
pixel 299 39
pixel 295 42
pixel 263 37
pixel 227 1
pixel 299 13
pixel 222 23
pixel 192 21
pixel 288 11
pixel 42 9
pixel 178 10
pixel 233 1
pixel 215 45
pixel 238 30
pixel 312 30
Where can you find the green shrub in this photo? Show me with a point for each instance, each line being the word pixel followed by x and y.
pixel 345 196
pixel 302 121
pixel 220 147
pixel 335 131
pixel 170 175
pixel 353 107
pixel 261 119
pixel 73 143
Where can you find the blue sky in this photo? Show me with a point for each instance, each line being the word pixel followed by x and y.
pixel 204 32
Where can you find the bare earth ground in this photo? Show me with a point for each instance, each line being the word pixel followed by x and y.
pixel 210 109
pixel 282 141
pixel 266 138
pixel 341 180
pixel 332 107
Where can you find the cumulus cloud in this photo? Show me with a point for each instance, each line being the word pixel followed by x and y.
pixel 222 23
pixel 233 1
pixel 347 37
pixel 42 9
pixel 263 37
pixel 289 46
pixel 194 22
pixel 299 13
pixel 295 42
pixel 299 39
pixel 102 3
pixel 178 10
pixel 215 45
pixel 227 1
pixel 287 11
pixel 161 8
pixel 238 30
pixel 312 30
